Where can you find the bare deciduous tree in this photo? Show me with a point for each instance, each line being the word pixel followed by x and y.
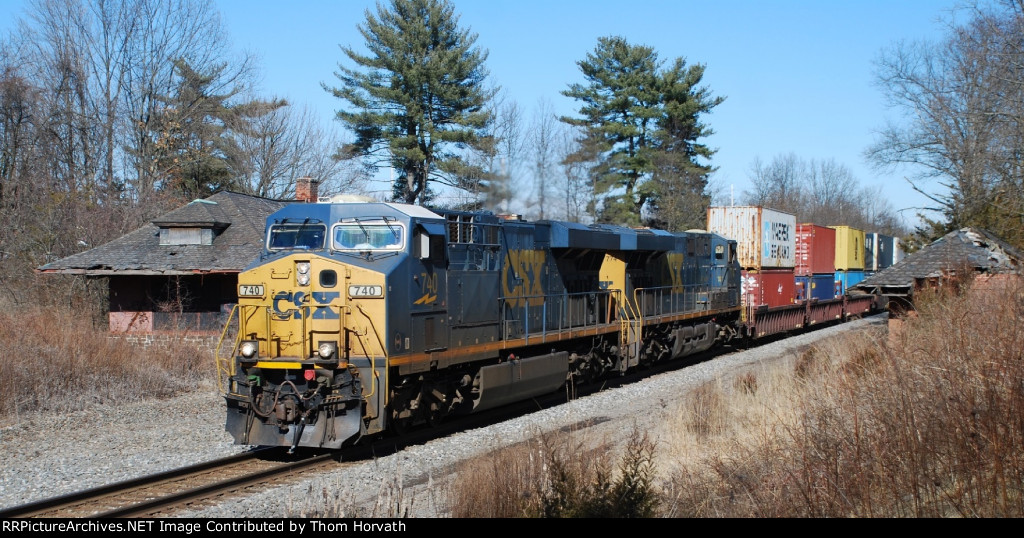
pixel 279 147
pixel 543 142
pixel 84 87
pixel 577 156
pixel 823 192
pixel 961 118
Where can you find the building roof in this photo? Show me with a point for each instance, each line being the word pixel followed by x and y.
pixel 968 247
pixel 238 222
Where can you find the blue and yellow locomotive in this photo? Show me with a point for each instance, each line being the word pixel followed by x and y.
pixel 362 317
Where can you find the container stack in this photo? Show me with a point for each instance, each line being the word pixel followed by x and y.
pixel 766 249
pixel 880 252
pixel 815 262
pixel 849 258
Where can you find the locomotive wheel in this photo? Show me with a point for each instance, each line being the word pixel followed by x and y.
pixel 434 416
pixel 400 426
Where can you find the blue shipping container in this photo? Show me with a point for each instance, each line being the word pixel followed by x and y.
pixel 845 279
pixel 821 287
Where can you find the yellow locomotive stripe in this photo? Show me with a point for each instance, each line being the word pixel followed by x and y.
pixel 279 365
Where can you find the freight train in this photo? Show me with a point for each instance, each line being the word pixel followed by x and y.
pixel 359 317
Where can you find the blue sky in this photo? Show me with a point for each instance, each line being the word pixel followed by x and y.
pixel 797 75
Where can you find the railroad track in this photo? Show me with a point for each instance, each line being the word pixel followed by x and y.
pixel 190 488
pixel 164 493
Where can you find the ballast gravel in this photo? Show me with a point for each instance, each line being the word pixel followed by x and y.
pixel 51 455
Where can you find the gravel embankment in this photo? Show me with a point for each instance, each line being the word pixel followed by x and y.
pixel 46 456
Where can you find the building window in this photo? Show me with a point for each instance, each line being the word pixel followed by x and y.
pixel 186 236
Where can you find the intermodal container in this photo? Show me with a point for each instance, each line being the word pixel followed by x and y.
pixel 765 238
pixel 815 249
pixel 821 287
pixel 881 251
pixel 846 279
pixel 768 287
pixel 849 248
pixel 803 288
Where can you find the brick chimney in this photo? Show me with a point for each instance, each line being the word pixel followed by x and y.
pixel 306 189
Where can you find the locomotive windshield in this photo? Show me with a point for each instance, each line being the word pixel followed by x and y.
pixel 368 236
pixel 296 236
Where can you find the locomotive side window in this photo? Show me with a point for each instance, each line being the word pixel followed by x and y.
pixel 368 236
pixel 296 236
pixel 429 246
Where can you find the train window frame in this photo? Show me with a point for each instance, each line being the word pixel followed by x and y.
pixel 277 230
pixel 364 226
pixel 433 244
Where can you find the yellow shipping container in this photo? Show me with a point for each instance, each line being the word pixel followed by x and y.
pixel 849 248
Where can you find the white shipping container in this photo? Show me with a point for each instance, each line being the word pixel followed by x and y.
pixel 766 239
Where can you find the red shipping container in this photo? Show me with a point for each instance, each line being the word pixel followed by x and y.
pixel 815 249
pixel 774 287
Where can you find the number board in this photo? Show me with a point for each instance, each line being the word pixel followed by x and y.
pixel 250 290
pixel 365 291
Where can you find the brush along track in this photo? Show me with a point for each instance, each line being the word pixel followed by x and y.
pixel 163 493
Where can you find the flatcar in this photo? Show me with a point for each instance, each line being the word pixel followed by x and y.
pixel 363 317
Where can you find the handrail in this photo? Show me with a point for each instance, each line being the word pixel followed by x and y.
pixel 373 363
pixel 225 366
pixel 677 299
pixel 564 302
pixel 629 317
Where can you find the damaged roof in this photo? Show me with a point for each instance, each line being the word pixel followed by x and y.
pixel 973 247
pixel 237 220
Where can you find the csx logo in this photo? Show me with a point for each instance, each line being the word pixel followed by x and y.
pixel 291 304
pixel 675 269
pixel 522 283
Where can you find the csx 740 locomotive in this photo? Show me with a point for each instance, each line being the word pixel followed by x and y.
pixel 359 317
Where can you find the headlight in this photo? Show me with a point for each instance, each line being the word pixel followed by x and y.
pixel 248 349
pixel 302 268
pixel 326 349
pixel 303 279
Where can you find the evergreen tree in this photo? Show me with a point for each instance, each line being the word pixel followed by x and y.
pixel 194 132
pixel 417 98
pixel 645 122
pixel 680 177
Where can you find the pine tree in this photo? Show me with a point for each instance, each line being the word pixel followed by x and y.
pixel 417 99
pixel 194 131
pixel 645 121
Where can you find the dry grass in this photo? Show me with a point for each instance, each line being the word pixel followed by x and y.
pixel 394 498
pixel 560 475
pixel 57 360
pixel 926 423
pixel 929 424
